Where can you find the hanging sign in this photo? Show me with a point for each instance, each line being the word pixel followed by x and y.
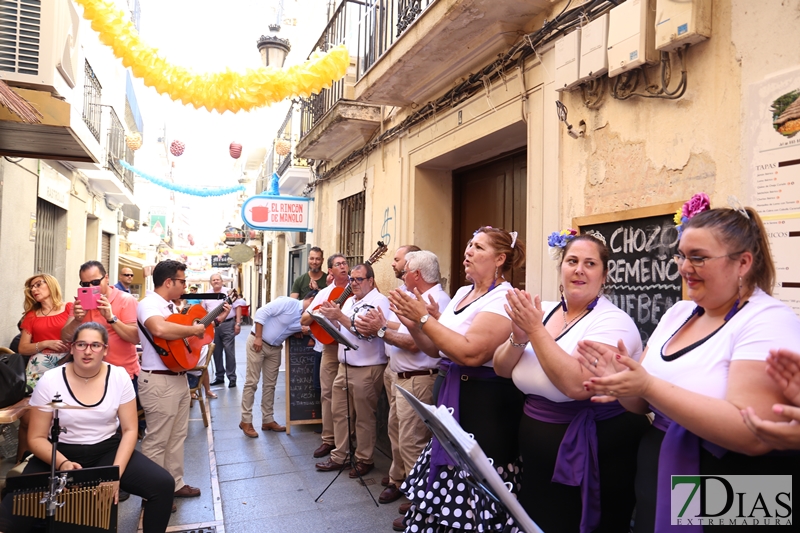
pixel 276 213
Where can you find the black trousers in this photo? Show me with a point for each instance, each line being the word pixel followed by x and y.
pixel 142 477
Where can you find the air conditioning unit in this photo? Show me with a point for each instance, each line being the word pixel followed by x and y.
pixel 39 44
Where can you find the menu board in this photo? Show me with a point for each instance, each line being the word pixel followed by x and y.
pixel 643 278
pixel 302 401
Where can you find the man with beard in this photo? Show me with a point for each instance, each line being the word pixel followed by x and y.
pixel 399 261
pixel 314 279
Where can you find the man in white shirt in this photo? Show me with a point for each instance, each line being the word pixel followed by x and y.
pixel 360 374
pixel 410 368
pixel 399 261
pixel 329 367
pixel 164 393
pixel 228 326
pixel 274 322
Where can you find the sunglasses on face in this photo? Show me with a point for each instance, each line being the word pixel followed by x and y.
pixel 127 275
pixel 93 283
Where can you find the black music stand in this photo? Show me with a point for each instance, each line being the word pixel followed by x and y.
pixel 468 455
pixel 333 331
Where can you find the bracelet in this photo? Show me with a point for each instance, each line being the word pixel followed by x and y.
pixel 37 347
pixel 515 344
pixel 62 464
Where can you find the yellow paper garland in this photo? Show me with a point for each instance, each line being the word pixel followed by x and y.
pixel 221 91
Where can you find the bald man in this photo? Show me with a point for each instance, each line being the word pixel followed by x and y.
pixel 125 280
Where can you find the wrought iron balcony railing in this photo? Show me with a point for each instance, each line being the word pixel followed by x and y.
pixel 117 149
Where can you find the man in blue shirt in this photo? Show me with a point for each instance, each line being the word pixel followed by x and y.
pixel 274 322
pixel 125 280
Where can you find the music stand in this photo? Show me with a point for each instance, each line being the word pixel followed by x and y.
pixel 468 455
pixel 333 331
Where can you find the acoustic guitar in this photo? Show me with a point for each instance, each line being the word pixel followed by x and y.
pixel 338 296
pixel 183 354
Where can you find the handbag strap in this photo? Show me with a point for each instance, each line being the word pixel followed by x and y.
pixel 159 350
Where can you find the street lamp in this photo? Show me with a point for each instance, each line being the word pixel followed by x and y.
pixel 273 48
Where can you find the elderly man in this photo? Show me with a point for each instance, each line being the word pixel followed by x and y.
pixel 164 392
pixel 274 322
pixel 116 310
pixel 360 377
pixel 228 326
pixel 411 368
pixel 125 280
pixel 329 366
pixel 313 280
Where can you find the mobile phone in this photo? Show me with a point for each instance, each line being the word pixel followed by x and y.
pixel 88 296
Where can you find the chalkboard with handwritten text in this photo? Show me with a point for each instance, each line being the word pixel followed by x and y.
pixel 643 278
pixel 302 400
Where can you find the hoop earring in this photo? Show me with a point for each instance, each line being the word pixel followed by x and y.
pixel 563 301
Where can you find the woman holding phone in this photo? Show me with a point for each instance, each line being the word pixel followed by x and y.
pixel 44 317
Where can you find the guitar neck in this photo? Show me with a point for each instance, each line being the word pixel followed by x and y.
pixel 212 315
pixel 344 296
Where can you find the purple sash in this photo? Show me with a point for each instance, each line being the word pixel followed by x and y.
pixel 576 463
pixel 449 395
pixel 679 455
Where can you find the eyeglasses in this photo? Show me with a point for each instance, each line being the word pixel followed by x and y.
pixel 94 282
pixel 95 346
pixel 182 280
pixel 698 261
pixel 358 280
pixel 37 285
pixel 340 263
pixel 127 275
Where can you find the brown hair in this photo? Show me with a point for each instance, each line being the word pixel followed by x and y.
pixel 55 292
pixel 741 234
pixel 601 248
pixel 501 241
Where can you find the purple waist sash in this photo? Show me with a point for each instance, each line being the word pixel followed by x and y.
pixel 576 463
pixel 679 456
pixel 449 395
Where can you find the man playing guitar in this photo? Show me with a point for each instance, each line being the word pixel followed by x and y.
pixel 337 266
pixel 163 392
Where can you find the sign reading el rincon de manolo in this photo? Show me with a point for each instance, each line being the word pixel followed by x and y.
pixel 276 213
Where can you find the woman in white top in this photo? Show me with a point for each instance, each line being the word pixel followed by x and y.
pixel 91 438
pixel 578 457
pixel 465 336
pixel 704 363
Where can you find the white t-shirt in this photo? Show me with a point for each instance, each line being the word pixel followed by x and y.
pixel 403 361
pixel 370 352
pixel 762 324
pixel 99 421
pixel 152 305
pixel 491 302
pixel 606 323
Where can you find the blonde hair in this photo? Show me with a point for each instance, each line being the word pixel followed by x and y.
pixel 55 292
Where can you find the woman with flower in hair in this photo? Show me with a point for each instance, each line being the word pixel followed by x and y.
pixel 578 458
pixel 704 364
pixel 465 336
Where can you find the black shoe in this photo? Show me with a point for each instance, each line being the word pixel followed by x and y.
pixel 217 382
pixel 231 384
pixel 123 495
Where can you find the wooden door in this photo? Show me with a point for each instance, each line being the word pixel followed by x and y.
pixel 493 194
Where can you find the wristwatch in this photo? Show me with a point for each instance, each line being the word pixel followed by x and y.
pixel 423 320
pixel 381 332
pixel 112 320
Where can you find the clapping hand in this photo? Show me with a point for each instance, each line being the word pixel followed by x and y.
pixel 370 322
pixel 524 312
pixel 619 376
pixel 407 306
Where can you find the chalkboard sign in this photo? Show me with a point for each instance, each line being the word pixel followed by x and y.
pixel 302 401
pixel 643 278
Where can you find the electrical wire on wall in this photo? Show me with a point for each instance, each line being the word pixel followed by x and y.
pixel 625 84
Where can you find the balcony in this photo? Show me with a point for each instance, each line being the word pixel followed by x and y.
pixel 413 53
pixel 332 124
pixel 114 180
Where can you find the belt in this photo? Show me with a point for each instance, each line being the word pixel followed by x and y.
pixel 165 372
pixel 407 375
pixel 228 319
pixel 265 342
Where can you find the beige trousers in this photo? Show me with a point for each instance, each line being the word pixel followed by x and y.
pixel 165 400
pixel 328 368
pixel 363 385
pixel 397 471
pixel 266 362
pixel 413 433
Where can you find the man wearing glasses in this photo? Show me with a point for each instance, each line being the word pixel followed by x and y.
pixel 163 392
pixel 360 374
pixel 329 366
pixel 228 326
pixel 116 310
pixel 125 280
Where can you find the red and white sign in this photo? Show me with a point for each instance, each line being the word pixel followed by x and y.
pixel 276 213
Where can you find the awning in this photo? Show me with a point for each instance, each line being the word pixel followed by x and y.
pixel 131 262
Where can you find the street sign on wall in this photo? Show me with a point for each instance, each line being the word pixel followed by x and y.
pixel 276 213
